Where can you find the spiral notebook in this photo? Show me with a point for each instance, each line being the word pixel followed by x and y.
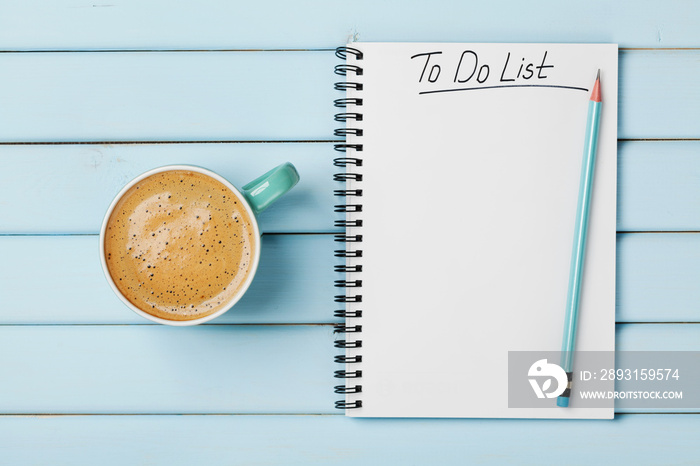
pixel 457 185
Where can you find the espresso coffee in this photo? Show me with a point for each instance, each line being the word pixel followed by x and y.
pixel 179 245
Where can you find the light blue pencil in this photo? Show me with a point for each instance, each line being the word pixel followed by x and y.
pixel 578 252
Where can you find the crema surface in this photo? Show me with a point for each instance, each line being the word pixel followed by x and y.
pixel 179 245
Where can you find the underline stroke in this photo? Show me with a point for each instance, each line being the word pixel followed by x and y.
pixel 496 87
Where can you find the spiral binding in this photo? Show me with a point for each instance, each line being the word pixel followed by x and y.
pixel 351 205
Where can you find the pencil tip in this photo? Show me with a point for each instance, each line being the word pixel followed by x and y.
pixel 595 95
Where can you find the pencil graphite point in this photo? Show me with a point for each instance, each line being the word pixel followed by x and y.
pixel 595 94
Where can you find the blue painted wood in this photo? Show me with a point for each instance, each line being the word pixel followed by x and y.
pixel 657 277
pixel 166 96
pixel 198 96
pixel 159 369
pixel 657 337
pixel 654 96
pixel 317 23
pixel 64 97
pixel 294 283
pixel 206 369
pixel 657 182
pixel 71 186
pixel 658 186
pixel 323 440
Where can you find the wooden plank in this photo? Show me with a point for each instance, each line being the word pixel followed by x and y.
pixel 166 96
pixel 656 281
pixel 659 77
pixel 309 440
pixel 657 183
pixel 214 24
pixel 294 283
pixel 207 369
pixel 215 96
pixel 73 185
pixel 657 337
pixel 657 277
pixel 159 369
pixel 658 187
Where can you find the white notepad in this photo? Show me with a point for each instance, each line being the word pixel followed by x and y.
pixel 470 163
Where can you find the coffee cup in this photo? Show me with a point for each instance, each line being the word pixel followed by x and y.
pixel 180 245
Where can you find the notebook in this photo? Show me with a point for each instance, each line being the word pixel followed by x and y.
pixel 457 185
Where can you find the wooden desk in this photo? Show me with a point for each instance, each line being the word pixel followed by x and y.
pixel 91 95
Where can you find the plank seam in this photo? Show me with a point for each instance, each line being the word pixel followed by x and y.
pixel 57 415
pixel 273 50
pixel 654 232
pixel 252 141
pixel 656 139
pixel 267 233
pixel 284 324
pixel 334 232
pixel 163 414
pixel 214 50
pixel 243 141
pixel 148 324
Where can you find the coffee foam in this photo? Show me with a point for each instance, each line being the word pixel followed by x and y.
pixel 179 245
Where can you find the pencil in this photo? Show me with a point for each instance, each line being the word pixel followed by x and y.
pixel 578 252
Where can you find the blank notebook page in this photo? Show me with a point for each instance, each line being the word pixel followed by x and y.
pixel 469 190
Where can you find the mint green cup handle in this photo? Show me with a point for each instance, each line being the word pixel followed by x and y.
pixel 266 189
